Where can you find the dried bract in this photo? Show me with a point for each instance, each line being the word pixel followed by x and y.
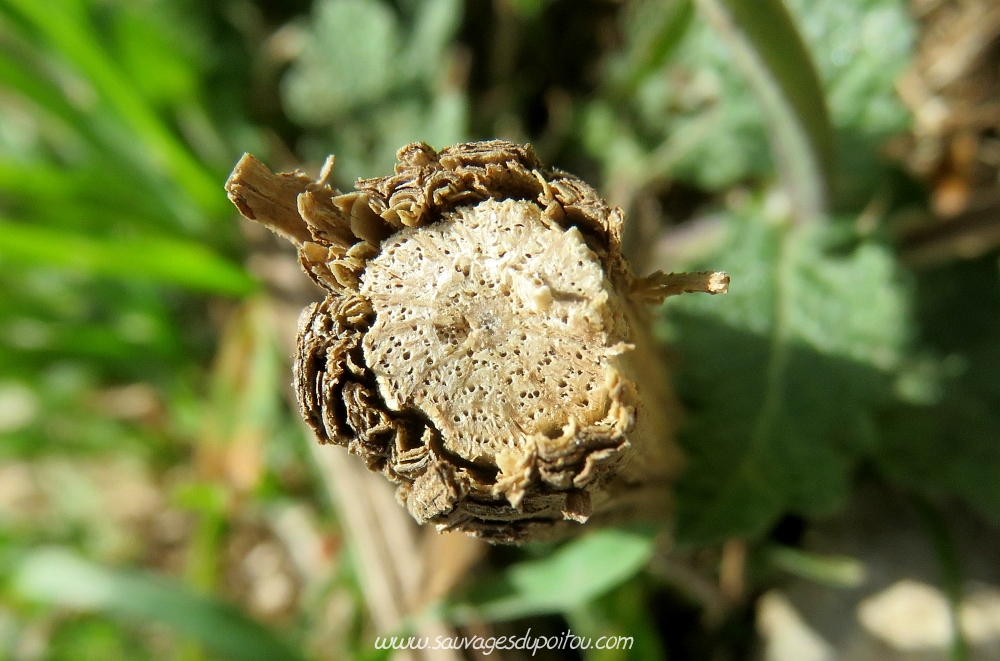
pixel 482 342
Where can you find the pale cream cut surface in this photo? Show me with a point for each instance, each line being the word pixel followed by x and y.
pixel 495 324
pixel 482 341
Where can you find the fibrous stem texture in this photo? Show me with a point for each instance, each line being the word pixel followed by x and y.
pixel 482 342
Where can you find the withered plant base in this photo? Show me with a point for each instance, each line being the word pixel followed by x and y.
pixel 482 343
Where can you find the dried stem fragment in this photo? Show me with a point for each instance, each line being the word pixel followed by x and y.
pixel 483 343
pixel 657 287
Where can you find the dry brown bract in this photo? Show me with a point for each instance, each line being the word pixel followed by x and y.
pixel 482 342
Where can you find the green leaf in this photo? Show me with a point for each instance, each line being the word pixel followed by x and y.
pixel 783 375
pixel 95 639
pixel 695 118
pixel 433 30
pixel 374 79
pixel 942 440
pixel 183 263
pixel 948 449
pixel 569 578
pixel 349 59
pixel 58 577
pixel 769 50
pixel 622 612
pixel 860 48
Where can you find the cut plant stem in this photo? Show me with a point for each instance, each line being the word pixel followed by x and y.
pixel 482 343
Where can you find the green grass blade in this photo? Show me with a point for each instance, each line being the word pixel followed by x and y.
pixel 98 196
pixel 950 567
pixel 40 181
pixel 769 49
pixel 60 578
pixel 77 43
pixel 652 52
pixel 837 571
pixel 19 78
pixel 183 263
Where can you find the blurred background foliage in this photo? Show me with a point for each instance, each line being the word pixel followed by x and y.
pixel 157 496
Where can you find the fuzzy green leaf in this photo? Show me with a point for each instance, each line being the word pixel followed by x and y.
pixel 696 118
pixel 433 29
pixel 567 579
pixel 767 47
pixel 783 375
pixel 374 79
pixel 349 59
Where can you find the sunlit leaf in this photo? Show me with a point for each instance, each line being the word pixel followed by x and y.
pixel 348 60
pixel 569 578
pixel 373 79
pixel 434 28
pixel 766 45
pixel 696 118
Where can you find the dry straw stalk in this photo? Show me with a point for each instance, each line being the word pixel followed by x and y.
pixel 482 342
